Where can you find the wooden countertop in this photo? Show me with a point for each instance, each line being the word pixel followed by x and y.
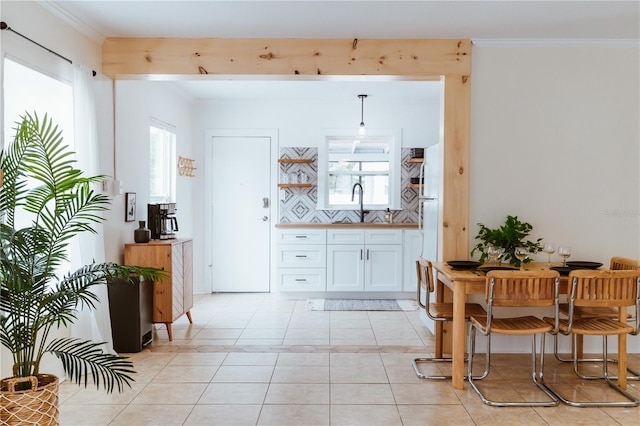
pixel 349 225
pixel 160 242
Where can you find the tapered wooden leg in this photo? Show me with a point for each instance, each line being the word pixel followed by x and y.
pixel 168 324
pixel 439 328
pixel 579 346
pixel 459 335
pixel 622 350
pixel 189 317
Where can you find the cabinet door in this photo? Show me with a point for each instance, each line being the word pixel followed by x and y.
pixel 345 267
pixel 187 254
pixel 177 299
pixel 383 267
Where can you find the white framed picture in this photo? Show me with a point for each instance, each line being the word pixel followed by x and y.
pixel 130 207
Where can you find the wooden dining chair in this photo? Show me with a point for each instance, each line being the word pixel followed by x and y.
pixel 597 289
pixel 517 289
pixel 437 311
pixel 622 263
pixel 618 264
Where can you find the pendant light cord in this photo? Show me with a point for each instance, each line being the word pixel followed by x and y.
pixel 362 109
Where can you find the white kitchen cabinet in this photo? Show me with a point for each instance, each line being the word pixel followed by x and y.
pixel 345 267
pixel 364 260
pixel 301 259
pixel 412 250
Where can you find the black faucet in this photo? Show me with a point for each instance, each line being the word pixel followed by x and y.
pixel 353 194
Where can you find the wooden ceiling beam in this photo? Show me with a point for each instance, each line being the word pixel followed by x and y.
pixel 138 57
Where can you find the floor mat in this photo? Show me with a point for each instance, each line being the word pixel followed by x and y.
pixel 361 305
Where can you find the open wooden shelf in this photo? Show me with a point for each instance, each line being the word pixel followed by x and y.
pixel 295 160
pixel 294 185
pixel 414 185
pixel 415 160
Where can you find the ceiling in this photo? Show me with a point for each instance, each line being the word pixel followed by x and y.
pixel 362 19
pixel 480 21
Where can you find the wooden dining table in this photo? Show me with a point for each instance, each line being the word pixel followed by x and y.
pixel 464 282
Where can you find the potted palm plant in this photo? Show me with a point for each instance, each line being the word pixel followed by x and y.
pixel 42 188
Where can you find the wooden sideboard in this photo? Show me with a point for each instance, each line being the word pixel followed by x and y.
pixel 173 295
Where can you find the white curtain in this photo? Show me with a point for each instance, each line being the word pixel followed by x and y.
pixel 91 324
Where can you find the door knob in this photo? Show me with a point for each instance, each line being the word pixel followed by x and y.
pixel 264 218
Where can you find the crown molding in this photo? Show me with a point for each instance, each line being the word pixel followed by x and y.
pixel 82 27
pixel 530 42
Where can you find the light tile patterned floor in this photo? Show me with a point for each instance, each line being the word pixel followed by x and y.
pixel 258 359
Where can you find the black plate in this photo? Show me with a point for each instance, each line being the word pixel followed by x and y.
pixel 563 270
pixel 584 265
pixel 464 264
pixel 497 268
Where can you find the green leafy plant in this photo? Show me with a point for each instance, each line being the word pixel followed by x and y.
pixel 509 236
pixel 41 186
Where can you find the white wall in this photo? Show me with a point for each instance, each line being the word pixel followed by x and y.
pixel 300 121
pixel 555 140
pixel 555 137
pixel 136 102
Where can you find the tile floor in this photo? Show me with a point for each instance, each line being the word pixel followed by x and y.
pixel 258 359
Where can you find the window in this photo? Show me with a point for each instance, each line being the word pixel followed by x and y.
pixel 370 161
pixel 27 90
pixel 162 160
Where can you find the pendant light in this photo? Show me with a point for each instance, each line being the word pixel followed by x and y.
pixel 362 130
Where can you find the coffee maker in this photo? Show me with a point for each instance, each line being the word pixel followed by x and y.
pixel 162 221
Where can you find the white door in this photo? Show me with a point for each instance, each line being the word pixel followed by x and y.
pixel 240 213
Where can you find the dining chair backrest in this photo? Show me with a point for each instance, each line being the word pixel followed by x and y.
pixel 623 263
pixel 425 274
pixel 522 288
pixel 604 288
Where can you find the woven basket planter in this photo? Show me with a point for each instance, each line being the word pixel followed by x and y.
pixel 35 406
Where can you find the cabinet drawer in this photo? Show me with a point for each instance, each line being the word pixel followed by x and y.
pixel 302 256
pixel 383 236
pixel 301 236
pixel 301 279
pixel 345 236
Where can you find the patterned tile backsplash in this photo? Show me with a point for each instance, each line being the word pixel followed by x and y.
pixel 298 205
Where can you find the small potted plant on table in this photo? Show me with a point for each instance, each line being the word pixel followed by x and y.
pixel 509 236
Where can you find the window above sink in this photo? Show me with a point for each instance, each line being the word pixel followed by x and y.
pixel 372 160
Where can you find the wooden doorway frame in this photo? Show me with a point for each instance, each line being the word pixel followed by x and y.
pixel 300 59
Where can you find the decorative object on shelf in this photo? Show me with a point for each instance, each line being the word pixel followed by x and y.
pixel 37 298
pixel 130 207
pixel 361 129
pixel 417 153
pixel 185 167
pixel 509 236
pixel 142 234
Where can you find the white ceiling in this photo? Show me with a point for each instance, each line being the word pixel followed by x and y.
pixel 481 21
pixel 362 19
